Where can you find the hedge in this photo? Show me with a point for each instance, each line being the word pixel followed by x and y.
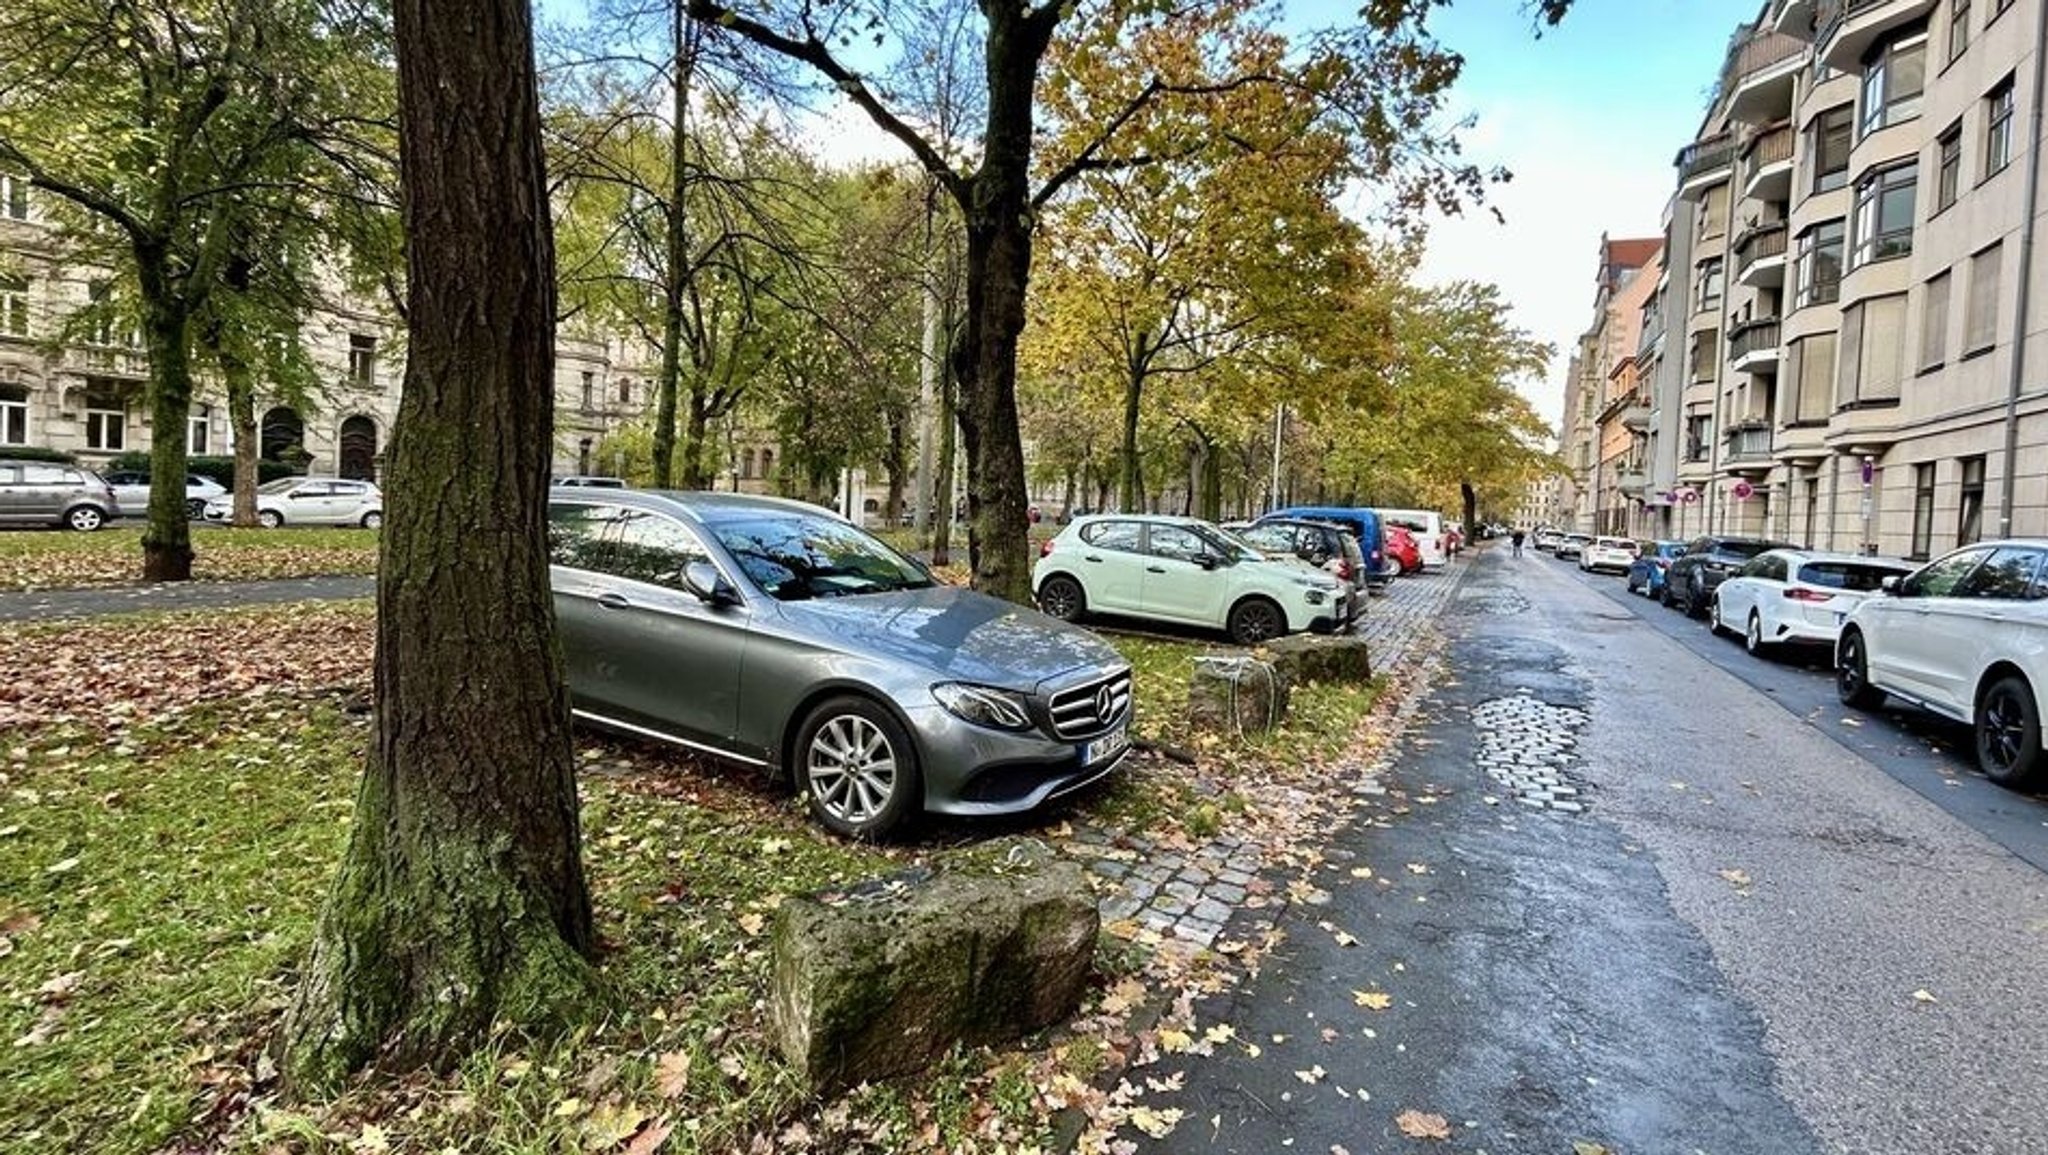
pixel 220 469
pixel 34 453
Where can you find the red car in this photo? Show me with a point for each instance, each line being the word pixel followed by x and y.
pixel 1402 553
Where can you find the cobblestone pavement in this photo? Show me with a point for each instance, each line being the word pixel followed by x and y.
pixel 1527 745
pixel 1191 893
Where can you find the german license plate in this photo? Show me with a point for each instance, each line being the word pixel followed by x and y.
pixel 1106 747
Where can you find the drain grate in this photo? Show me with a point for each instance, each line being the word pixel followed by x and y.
pixel 1526 744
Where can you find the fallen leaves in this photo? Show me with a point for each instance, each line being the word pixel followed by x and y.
pixel 672 1074
pixel 1311 1076
pixel 113 557
pixel 1736 877
pixel 1923 995
pixel 1158 1123
pixel 1372 1000
pixel 1342 937
pixel 1420 1125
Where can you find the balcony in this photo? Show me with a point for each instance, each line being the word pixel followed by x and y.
pixel 1795 18
pixel 1704 163
pixel 1748 448
pixel 1760 255
pixel 1636 418
pixel 1767 163
pixel 1631 479
pixel 1758 75
pixel 1845 29
pixel 1753 346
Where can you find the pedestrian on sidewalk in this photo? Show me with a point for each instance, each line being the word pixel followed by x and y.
pixel 1516 537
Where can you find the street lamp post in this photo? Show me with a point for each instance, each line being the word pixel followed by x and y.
pixel 1869 473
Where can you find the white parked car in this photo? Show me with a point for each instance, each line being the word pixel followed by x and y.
pixel 1177 569
pixel 1571 545
pixel 309 501
pixel 1965 636
pixel 1786 596
pixel 131 491
pixel 1609 553
pixel 1428 528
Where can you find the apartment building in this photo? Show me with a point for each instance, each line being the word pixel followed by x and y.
pixel 1863 305
pixel 79 387
pixel 1601 390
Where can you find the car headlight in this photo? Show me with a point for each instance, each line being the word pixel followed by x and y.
pixel 983 705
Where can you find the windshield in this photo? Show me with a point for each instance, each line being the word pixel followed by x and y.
pixel 1238 548
pixel 1745 549
pixel 281 485
pixel 793 556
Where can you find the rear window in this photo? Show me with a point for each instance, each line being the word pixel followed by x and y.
pixel 1119 535
pixel 1743 548
pixel 1861 577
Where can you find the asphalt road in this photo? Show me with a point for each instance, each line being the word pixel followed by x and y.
pixel 1753 938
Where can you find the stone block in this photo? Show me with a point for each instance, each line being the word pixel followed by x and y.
pixel 1305 658
pixel 1236 695
pixel 883 978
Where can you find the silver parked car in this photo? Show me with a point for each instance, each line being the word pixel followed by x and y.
pixel 780 635
pixel 308 501
pixel 47 493
pixel 131 490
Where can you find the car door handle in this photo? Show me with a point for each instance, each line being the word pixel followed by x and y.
pixel 614 601
pixel 1155 569
pixel 1091 557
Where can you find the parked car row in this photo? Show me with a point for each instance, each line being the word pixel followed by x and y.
pixel 53 494
pixel 1964 636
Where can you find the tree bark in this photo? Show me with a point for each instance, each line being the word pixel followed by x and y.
pixel 241 386
pixel 694 474
pixel 461 900
pixel 1134 388
pixel 167 540
pixel 942 474
pixel 1470 499
pixel 676 255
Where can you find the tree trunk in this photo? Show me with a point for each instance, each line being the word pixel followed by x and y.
pixel 461 901
pixel 694 475
pixel 676 254
pixel 241 385
pixel 167 540
pixel 1470 499
pixel 1134 388
pixel 896 460
pixel 942 475
pixel 1211 506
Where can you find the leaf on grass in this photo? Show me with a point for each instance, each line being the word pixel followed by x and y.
pixel 1375 1000
pixel 650 1138
pixel 672 1074
pixel 1418 1125
pixel 610 1125
pixel 371 1140
pixel 1158 1124
pixel 752 923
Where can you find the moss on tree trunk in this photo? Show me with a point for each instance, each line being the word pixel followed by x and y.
pixel 461 906
pixel 167 540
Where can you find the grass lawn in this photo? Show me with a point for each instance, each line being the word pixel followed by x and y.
pixel 164 849
pixel 31 559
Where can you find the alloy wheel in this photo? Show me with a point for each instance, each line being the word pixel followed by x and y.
pixel 2003 730
pixel 1753 637
pixel 1060 597
pixel 851 768
pixel 1254 622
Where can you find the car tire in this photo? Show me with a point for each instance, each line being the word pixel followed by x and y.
pixel 373 519
pixel 1695 607
pixel 269 518
pixel 857 768
pixel 1852 673
pixel 195 509
pixel 2008 734
pixel 1255 620
pixel 1753 637
pixel 85 518
pixel 1060 596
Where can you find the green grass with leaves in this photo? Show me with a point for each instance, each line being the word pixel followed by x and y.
pixel 37 559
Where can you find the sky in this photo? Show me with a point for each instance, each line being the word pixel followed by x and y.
pixel 1587 118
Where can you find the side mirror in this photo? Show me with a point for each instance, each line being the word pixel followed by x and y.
pixel 1890 586
pixel 1205 560
pixel 702 579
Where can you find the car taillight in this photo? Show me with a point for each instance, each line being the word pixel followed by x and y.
pixel 1045 548
pixel 1805 595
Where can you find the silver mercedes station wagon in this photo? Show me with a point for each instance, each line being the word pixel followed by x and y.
pixel 780 635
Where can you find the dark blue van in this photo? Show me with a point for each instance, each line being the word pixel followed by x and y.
pixel 1363 522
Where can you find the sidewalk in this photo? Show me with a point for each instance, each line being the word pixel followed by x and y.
pixel 164 597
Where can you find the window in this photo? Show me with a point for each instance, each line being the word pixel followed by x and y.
pixel 1884 215
pixel 13 306
pixel 13 415
pixel 1713 220
pixel 1710 285
pixel 1893 77
pixel 362 360
pixel 1970 507
pixel 1923 509
pixel 653 549
pixel 106 420
pixel 589 389
pixel 198 427
pixel 576 534
pixel 1872 351
pixel 1934 322
pixel 1998 128
pixel 1980 309
pixel 104 318
pixel 1812 374
pixel 1998 7
pixel 1830 147
pixel 1819 269
pixel 13 197
pixel 1948 169
pixel 1958 27
pixel 1812 512
pixel 1706 352
pixel 625 392
pixel 1174 542
pixel 1117 535
pixel 1941 578
pixel 2007 575
pixel 1699 434
pixel 746 464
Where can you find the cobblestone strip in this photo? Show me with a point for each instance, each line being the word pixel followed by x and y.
pixel 1190 894
pixel 1526 745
